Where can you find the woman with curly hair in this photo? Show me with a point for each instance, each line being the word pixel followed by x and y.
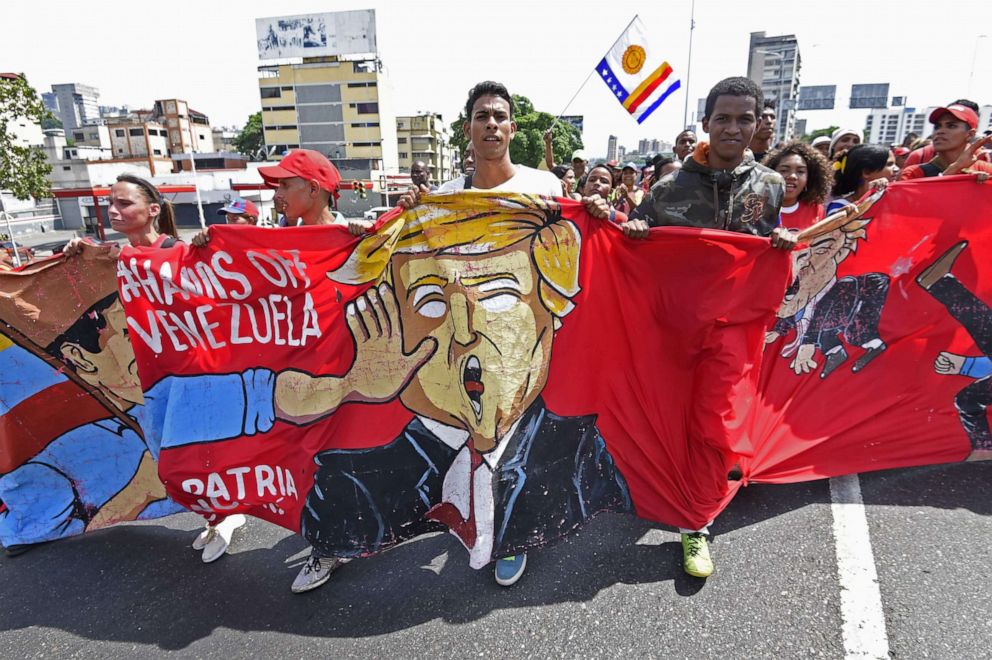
pixel 808 179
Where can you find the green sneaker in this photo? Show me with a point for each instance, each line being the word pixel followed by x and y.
pixel 696 555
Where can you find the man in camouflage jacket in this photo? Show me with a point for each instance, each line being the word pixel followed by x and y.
pixel 720 186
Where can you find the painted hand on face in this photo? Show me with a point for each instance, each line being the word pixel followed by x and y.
pixel 381 369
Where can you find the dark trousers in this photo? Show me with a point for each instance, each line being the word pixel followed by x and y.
pixel 976 317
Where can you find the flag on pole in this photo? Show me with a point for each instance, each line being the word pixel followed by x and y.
pixel 635 74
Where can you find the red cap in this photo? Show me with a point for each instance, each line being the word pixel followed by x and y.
pixel 900 151
pixel 964 113
pixel 614 164
pixel 306 164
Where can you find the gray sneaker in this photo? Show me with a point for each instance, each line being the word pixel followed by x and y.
pixel 315 572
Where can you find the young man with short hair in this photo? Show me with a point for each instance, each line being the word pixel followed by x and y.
pixel 685 142
pixel 489 128
pixel 761 143
pixel 720 186
pixel 955 149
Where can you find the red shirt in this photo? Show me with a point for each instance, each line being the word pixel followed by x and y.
pixel 802 215
pixel 916 171
pixel 926 154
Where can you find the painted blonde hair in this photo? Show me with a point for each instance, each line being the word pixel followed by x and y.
pixel 852 232
pixel 474 223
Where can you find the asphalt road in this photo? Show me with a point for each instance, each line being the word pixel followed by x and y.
pixel 615 589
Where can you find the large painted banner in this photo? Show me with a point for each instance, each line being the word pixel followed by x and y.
pixel 880 357
pixel 72 452
pixel 503 367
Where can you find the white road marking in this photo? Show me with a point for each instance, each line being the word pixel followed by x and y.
pixel 860 599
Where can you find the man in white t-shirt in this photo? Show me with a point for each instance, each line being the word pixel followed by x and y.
pixel 489 129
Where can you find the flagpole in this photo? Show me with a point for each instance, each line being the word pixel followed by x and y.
pixel 688 66
pixel 594 69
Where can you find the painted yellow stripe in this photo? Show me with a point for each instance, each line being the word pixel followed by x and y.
pixel 644 85
pixel 5 342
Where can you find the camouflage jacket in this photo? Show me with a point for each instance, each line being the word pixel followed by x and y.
pixel 746 199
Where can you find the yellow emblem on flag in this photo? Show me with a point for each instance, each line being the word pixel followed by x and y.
pixel 633 59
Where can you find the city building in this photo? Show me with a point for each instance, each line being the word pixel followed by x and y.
pixel 984 119
pixel 611 148
pixel 144 140
pixel 77 104
pixel 652 146
pixel 189 130
pixel 892 126
pixel 425 137
pixel 774 63
pixel 328 94
pixel 220 160
pixel 332 106
pixel 224 138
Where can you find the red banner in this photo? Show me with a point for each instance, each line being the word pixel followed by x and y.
pixel 504 366
pixel 880 356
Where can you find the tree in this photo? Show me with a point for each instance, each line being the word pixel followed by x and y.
pixel 828 131
pixel 251 140
pixel 24 170
pixel 527 146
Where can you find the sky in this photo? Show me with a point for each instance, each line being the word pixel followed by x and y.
pixel 435 50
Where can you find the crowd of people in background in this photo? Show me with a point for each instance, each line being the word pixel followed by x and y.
pixel 822 174
pixel 738 181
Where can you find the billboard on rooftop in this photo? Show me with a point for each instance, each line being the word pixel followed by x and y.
pixel 316 35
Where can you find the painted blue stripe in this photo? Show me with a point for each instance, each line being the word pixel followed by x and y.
pixel 22 375
pixel 610 78
pixel 661 99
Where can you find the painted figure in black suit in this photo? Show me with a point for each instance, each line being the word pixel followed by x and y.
pixel 973 401
pixel 827 312
pixel 460 327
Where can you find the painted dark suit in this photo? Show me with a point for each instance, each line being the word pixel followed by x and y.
pixel 554 474
pixel 850 308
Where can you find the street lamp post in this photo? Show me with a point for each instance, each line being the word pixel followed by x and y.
pixel 779 104
pixel 974 58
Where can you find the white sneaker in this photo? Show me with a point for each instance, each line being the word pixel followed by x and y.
pixel 201 541
pixel 219 537
pixel 315 572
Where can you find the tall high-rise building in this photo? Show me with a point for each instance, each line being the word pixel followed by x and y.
pixel 892 126
pixel 332 96
pixel 774 64
pixel 425 137
pixel 77 104
pixel 611 148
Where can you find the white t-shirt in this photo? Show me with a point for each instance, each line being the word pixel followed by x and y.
pixel 525 180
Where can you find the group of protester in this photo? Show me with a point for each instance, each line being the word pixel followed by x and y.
pixel 821 176
pixel 714 184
